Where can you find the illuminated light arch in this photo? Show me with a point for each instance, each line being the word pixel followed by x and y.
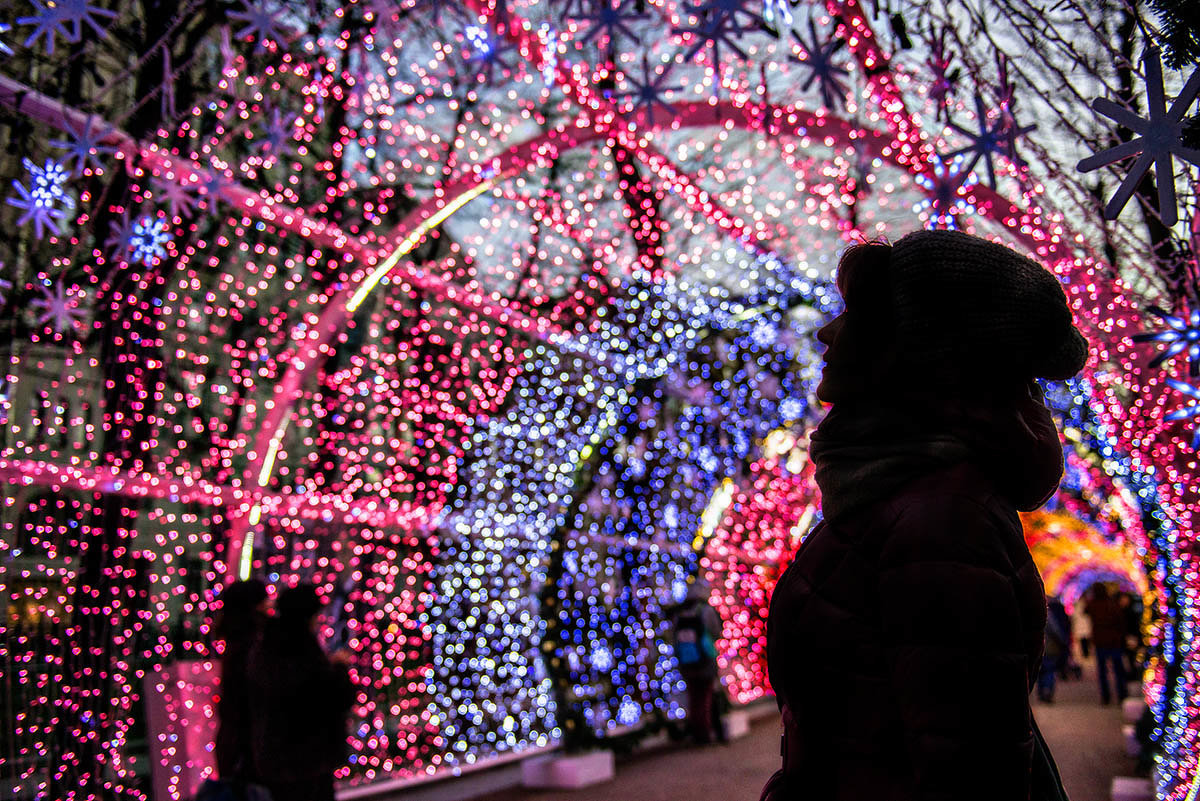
pixel 791 121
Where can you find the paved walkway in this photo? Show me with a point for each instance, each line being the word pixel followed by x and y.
pixel 1085 738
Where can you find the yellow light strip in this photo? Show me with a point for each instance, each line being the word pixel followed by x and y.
pixel 264 475
pixel 411 241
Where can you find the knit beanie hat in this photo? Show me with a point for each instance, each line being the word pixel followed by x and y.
pixel 964 306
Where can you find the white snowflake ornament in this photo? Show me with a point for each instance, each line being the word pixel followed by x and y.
pixel 1160 135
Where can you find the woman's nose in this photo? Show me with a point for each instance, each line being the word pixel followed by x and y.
pixel 827 332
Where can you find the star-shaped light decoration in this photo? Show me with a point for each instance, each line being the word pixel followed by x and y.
pixel 177 195
pixel 487 52
pixel 41 200
pixel 277 135
pixel 148 242
pixel 262 23
pixel 84 145
pixel 719 22
pixel 1183 334
pixel 53 17
pixel 57 309
pixel 4 48
pixel 991 140
pixel 1191 411
pixel 1161 136
pixel 817 57
pixel 649 92
pixel 940 63
pixel 945 192
pixel 214 185
pixel 611 19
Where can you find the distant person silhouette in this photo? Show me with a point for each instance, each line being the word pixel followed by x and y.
pixel 906 636
pixel 697 628
pixel 244 606
pixel 300 701
pixel 1108 635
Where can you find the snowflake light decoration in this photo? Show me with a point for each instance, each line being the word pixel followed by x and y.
pixel 649 92
pixel 57 309
pixel 214 184
pixel 719 22
pixel 177 195
pixel 1182 333
pixel 148 242
pixel 990 140
pixel 945 198
pixel 817 57
pixel 4 48
pixel 611 19
pixel 1191 411
pixel 940 63
pixel 277 136
pixel 1161 136
pixel 262 24
pixel 41 200
pixel 84 145
pixel 487 52
pixel 52 19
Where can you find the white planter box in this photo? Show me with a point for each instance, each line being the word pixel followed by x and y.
pixel 1125 788
pixel 1132 708
pixel 1132 746
pixel 737 724
pixel 568 772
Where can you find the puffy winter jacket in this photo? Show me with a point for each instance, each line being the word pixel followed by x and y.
pixel 903 643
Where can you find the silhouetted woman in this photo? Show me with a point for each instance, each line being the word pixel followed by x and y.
pixel 239 623
pixel 906 636
pixel 300 701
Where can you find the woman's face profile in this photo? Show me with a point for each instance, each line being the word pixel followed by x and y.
pixel 850 359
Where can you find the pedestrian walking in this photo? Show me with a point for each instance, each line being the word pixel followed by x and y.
pixel 905 638
pixel 1055 650
pixel 239 624
pixel 300 701
pixel 1082 626
pixel 1108 635
pixel 697 629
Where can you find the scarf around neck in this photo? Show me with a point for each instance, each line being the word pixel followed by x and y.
pixel 864 453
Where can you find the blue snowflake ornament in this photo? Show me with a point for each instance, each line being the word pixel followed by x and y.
pixel 4 48
pixel 53 17
pixel 277 136
pixel 611 19
pixel 84 145
pixel 148 241
pixel 487 52
pixel 945 193
pixel 817 57
pixel 1183 334
pixel 44 201
pixel 990 140
pixel 262 24
pixel 1160 137
pixel 649 92
pixel 720 23
pixel 940 63
pixel 1191 411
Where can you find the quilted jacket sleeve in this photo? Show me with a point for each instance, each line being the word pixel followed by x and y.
pixel 956 649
